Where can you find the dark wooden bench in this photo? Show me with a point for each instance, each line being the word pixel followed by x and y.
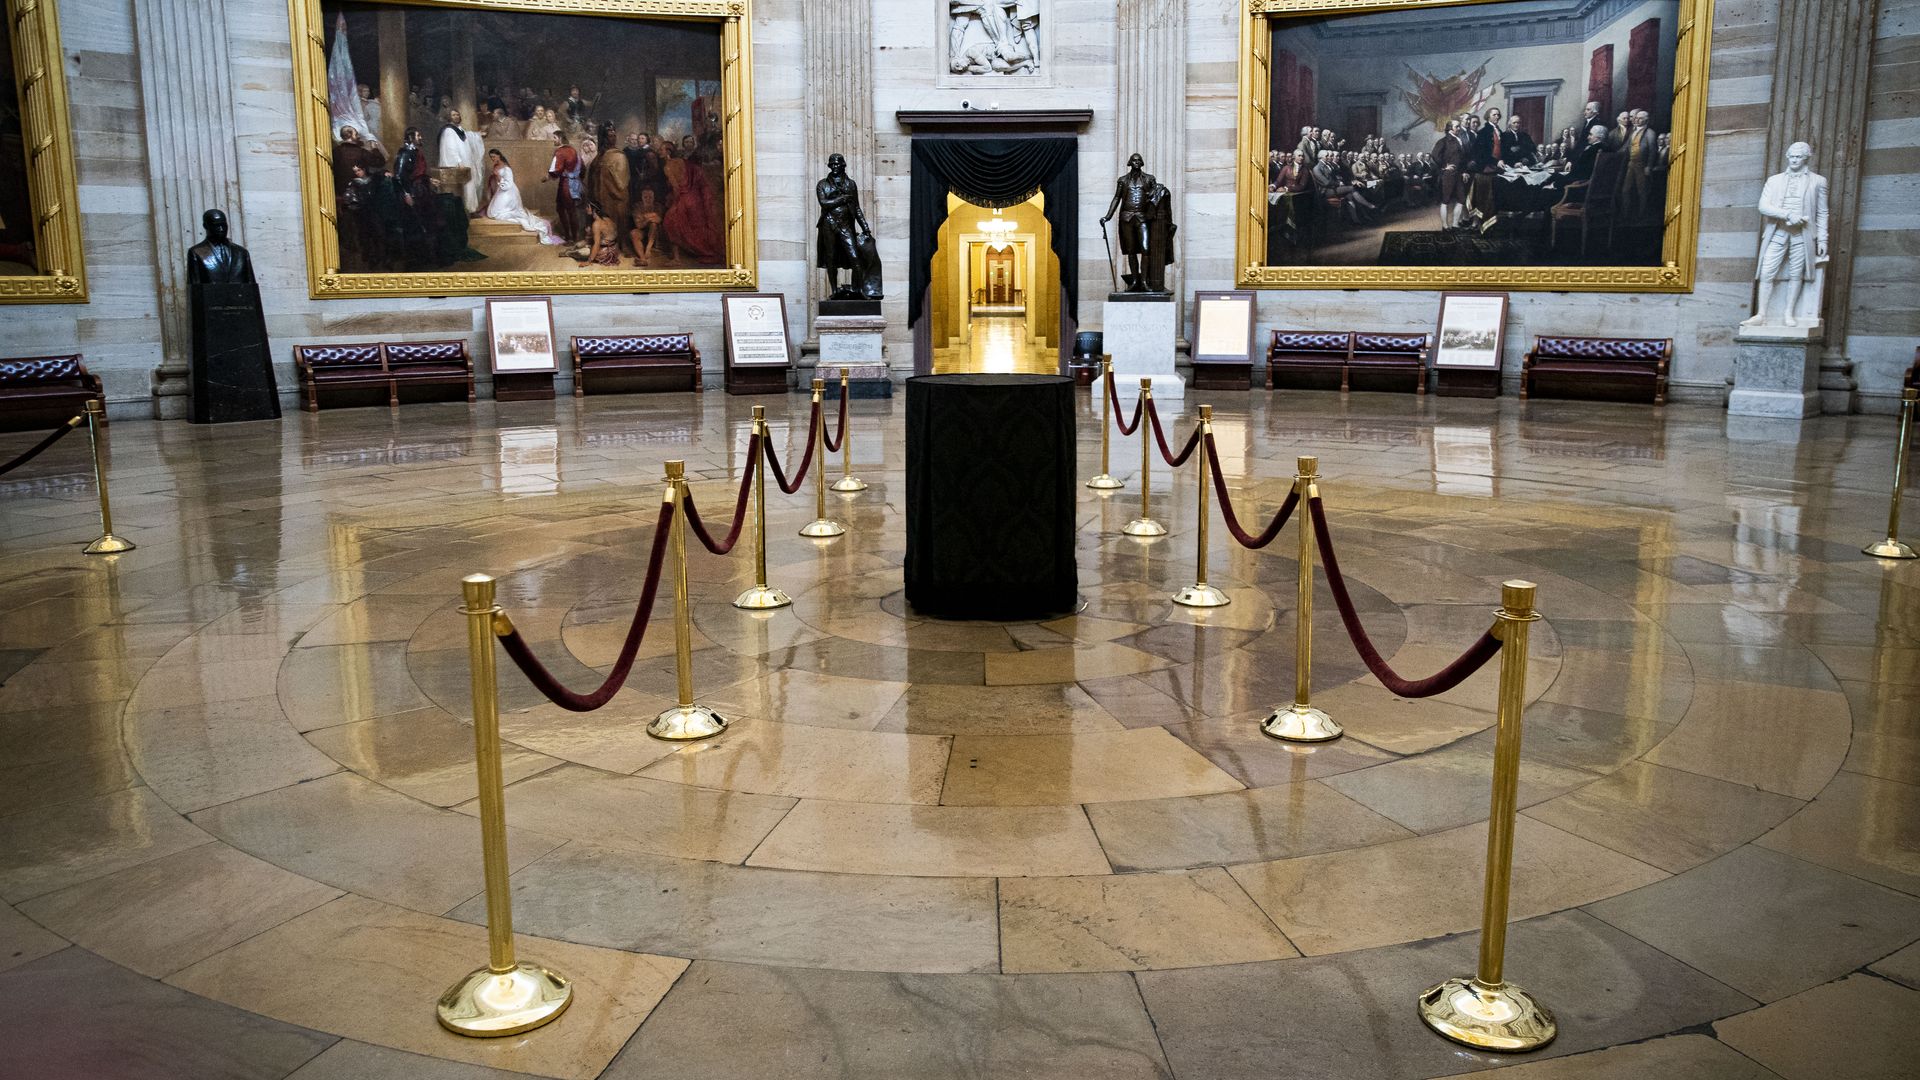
pixel 1319 356
pixel 644 361
pixel 388 365
pixel 1608 369
pixel 1378 358
pixel 38 392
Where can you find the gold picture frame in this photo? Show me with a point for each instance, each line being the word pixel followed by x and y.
pixel 1680 236
pixel 326 281
pixel 52 180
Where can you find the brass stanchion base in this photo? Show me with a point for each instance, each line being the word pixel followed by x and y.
pixel 823 529
pixel 1890 549
pixel 762 598
pixel 489 1005
pixel 1503 1017
pixel 1143 527
pixel 1301 723
pixel 109 544
pixel 686 723
pixel 848 483
pixel 1105 482
pixel 1201 596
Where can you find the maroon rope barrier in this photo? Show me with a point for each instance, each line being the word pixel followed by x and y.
pixel 1439 682
pixel 833 443
pixel 1226 507
pixel 544 680
pixel 1160 436
pixel 34 452
pixel 721 547
pixel 1113 395
pixel 806 460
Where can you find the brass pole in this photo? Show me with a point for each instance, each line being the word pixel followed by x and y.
pixel 1891 547
pixel 821 527
pixel 505 997
pixel 762 597
pixel 107 544
pixel 1144 525
pixel 1200 594
pixel 1485 1011
pixel 847 482
pixel 1302 722
pixel 686 720
pixel 1104 387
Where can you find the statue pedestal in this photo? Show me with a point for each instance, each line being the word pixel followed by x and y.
pixel 231 369
pixel 857 343
pixel 1776 373
pixel 1139 331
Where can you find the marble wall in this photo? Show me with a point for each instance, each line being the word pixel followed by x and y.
pixel 1884 324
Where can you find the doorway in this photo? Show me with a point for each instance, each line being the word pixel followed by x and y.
pixel 994 302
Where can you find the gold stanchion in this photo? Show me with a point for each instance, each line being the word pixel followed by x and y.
pixel 1106 481
pixel 1484 1011
pixel 1302 722
pixel 848 482
pixel 821 527
pixel 1890 548
pixel 108 544
pixel 1144 525
pixel 762 597
pixel 1200 594
pixel 506 997
pixel 686 721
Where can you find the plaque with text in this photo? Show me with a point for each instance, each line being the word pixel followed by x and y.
pixel 759 353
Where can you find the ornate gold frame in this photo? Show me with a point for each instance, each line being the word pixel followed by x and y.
pixel 325 281
pixel 40 77
pixel 1675 274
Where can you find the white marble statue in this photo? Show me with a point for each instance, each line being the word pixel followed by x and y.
pixel 1793 244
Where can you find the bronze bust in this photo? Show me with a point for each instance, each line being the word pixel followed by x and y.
pixel 843 239
pixel 1145 208
pixel 215 260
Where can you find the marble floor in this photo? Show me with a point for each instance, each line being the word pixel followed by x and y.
pixel 999 344
pixel 237 822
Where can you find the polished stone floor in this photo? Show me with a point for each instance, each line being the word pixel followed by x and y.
pixel 237 833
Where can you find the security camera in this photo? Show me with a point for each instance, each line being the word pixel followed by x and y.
pixel 966 104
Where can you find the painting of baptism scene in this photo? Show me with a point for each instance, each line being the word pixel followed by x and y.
pixel 483 140
pixel 17 254
pixel 1524 133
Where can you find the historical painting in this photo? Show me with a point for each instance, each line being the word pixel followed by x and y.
pixel 40 255
pixel 1525 143
pixel 528 147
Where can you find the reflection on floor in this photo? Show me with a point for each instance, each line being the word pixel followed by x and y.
pixel 999 344
pixel 236 790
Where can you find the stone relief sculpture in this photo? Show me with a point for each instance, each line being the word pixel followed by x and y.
pixel 1793 244
pixel 993 37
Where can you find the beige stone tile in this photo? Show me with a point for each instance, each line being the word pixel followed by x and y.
pixel 47 682
pixel 25 787
pixel 424 753
pixel 56 846
pixel 1692 1057
pixel 1902 967
pixel 1133 922
pixel 123 641
pixel 1860 1027
pixel 1027 770
pixel 935 709
pixel 374 618
pixel 806 697
pixel 198 755
pixel 1665 817
pixel 351 1060
pixel 1429 885
pixel 1236 827
pixel 1095 660
pixel 1402 725
pixel 638 814
pixel 812 763
pixel 337 946
pixel 1777 738
pixel 933 841
pixel 613 737
pixel 161 916
pixel 186 677
pixel 1860 825
pixel 329 685
pixel 23 941
pixel 595 632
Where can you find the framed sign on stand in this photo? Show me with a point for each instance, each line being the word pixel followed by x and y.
pixel 1223 340
pixel 520 340
pixel 1468 343
pixel 759 354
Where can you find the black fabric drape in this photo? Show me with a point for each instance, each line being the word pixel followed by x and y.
pixel 994 173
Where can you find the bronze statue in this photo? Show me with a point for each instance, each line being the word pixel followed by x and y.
pixel 215 260
pixel 1145 207
pixel 843 239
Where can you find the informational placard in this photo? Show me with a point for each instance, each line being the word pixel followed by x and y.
pixel 1472 327
pixel 1223 327
pixel 756 326
pixel 520 331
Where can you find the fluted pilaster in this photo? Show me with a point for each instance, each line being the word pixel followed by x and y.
pixel 1151 114
pixel 187 100
pixel 838 42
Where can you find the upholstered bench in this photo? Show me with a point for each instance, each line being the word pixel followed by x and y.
pixel 1401 356
pixel 652 361
pixel 382 364
pixel 38 392
pixel 1611 369
pixel 1318 355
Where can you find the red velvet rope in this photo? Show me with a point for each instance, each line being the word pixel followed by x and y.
pixel 721 547
pixel 1226 507
pixel 34 452
pixel 544 680
pixel 1441 681
pixel 1159 436
pixel 1113 395
pixel 833 442
pixel 806 460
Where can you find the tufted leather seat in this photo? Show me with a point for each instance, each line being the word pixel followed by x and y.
pixel 1319 354
pixel 39 391
pixel 660 361
pixel 388 364
pixel 1633 369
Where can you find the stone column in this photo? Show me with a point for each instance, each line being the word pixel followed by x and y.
pixel 1820 68
pixel 393 80
pixel 187 99
pixel 1151 117
pixel 837 56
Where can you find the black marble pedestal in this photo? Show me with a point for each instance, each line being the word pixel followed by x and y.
pixel 232 369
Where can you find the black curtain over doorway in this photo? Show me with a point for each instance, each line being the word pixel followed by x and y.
pixel 995 173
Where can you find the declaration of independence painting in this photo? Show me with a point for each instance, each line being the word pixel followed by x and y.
pixel 477 140
pixel 1512 134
